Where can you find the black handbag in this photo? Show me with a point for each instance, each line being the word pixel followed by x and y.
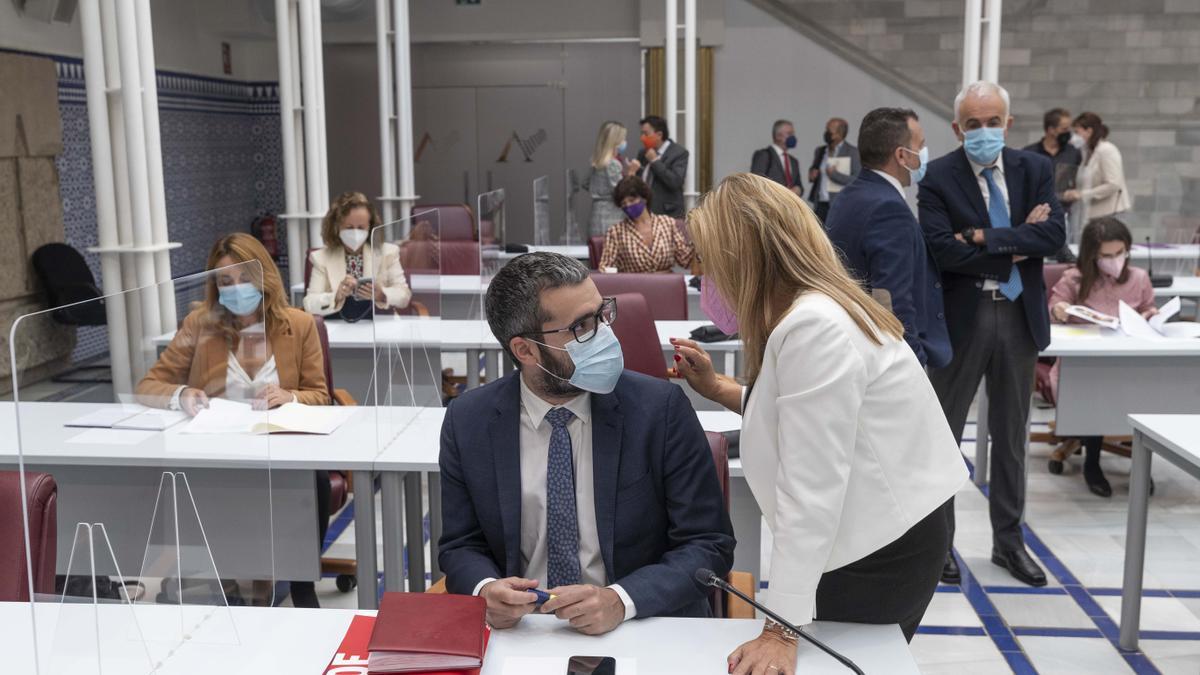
pixel 711 333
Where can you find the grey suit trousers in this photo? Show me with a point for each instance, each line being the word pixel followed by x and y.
pixel 1002 348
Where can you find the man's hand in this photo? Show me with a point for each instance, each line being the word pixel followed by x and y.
pixel 632 167
pixel 1039 214
pixel 508 600
pixel 813 174
pixel 651 154
pixel 978 237
pixel 1019 258
pixel 799 192
pixel 829 170
pixel 590 609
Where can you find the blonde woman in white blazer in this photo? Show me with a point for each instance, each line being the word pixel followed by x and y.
pixel 348 257
pixel 1104 192
pixel 843 443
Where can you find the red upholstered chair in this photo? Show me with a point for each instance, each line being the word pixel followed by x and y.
pixel 595 251
pixel 42 503
pixel 635 331
pixel 456 222
pixel 459 257
pixel 665 294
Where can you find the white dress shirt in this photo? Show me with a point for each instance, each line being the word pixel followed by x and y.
pixel 823 192
pixel 239 386
pixel 998 176
pixel 895 183
pixel 662 150
pixel 535 456
pixel 844 445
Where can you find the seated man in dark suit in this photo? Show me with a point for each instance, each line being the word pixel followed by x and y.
pixel 572 475
pixel 775 163
pixel 879 237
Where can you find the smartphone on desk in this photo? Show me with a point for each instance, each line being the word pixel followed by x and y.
pixel 592 665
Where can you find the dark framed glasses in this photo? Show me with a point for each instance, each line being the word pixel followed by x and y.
pixel 585 329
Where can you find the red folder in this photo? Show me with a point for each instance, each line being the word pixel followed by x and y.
pixel 351 656
pixel 422 632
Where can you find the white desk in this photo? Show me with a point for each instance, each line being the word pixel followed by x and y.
pixel 1187 288
pixel 1176 438
pixel 1164 252
pixel 285 641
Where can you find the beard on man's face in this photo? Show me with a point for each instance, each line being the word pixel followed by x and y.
pixel 559 364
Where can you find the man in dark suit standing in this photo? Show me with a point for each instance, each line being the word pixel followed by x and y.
pixel 663 165
pixel 990 215
pixel 572 475
pixel 881 241
pixel 825 177
pixel 775 163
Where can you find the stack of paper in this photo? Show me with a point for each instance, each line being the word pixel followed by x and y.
pixel 232 417
pixel 129 417
pixel 1157 327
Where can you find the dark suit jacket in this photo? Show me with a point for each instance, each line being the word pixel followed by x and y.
pixel 666 180
pixel 950 200
pixel 660 512
pixel 844 150
pixel 882 244
pixel 765 162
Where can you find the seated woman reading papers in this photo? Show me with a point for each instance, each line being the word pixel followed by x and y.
pixel 243 343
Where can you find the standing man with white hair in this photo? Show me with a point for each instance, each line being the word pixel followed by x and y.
pixel 990 215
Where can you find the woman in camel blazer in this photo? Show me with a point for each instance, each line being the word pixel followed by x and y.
pixel 348 257
pixel 1104 192
pixel 243 342
pixel 844 443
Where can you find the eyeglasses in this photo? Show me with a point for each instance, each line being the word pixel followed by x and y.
pixel 586 328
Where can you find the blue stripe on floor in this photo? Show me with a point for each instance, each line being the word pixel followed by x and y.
pixel 950 630
pixel 993 625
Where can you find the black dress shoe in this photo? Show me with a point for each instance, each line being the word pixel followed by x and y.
pixel 950 573
pixel 1021 565
pixel 1097 483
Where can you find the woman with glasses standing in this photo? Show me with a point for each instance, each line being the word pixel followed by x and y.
pixel 1101 280
pixel 642 242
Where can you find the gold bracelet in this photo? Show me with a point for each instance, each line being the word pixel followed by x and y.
pixel 781 632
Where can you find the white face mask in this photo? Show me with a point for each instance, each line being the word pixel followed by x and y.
pixel 1077 141
pixel 353 239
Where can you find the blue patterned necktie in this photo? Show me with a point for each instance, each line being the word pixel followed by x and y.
pixel 562 524
pixel 998 214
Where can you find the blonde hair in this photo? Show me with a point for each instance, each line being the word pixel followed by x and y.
pixel 759 241
pixel 610 136
pixel 339 209
pixel 243 248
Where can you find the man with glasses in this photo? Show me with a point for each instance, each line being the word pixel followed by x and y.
pixel 573 487
pixel 879 237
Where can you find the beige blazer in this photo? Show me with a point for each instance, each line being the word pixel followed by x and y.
pixel 844 445
pixel 1105 192
pixel 198 356
pixel 329 268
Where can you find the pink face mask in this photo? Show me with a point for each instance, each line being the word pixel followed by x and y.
pixel 714 306
pixel 1111 266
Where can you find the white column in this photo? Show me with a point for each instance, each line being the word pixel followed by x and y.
pixel 322 146
pixel 308 13
pixel 383 64
pixel 402 73
pixel 287 135
pixel 990 69
pixel 154 165
pixel 106 206
pixel 690 101
pixel 139 183
pixel 671 52
pixel 971 36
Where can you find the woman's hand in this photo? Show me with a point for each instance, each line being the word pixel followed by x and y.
pixel 272 396
pixel 365 291
pixel 345 288
pixel 693 364
pixel 193 400
pixel 1071 196
pixel 1060 312
pixel 1149 312
pixel 766 654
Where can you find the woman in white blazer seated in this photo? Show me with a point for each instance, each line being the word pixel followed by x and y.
pixel 335 287
pixel 844 443
pixel 1102 176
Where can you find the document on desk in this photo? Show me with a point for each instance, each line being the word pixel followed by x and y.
pixel 100 436
pixel 1157 327
pixel 234 417
pixel 129 417
pixel 556 665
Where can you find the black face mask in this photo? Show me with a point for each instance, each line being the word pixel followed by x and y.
pixel 828 137
pixel 1063 139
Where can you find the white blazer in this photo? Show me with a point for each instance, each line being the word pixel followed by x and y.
pixel 1105 191
pixel 329 268
pixel 844 446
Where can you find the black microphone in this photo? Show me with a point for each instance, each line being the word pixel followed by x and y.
pixel 708 578
pixel 1160 280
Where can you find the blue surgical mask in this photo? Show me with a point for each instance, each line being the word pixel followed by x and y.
pixel 919 172
pixel 598 362
pixel 790 142
pixel 983 145
pixel 621 148
pixel 241 299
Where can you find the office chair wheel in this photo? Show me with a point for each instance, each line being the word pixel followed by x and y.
pixel 346 582
pixel 1056 467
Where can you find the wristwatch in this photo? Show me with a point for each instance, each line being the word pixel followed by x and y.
pixel 968 235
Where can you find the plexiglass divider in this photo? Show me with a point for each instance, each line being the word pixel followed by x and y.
pixel 165 512
pixel 572 234
pixel 482 358
pixel 542 231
